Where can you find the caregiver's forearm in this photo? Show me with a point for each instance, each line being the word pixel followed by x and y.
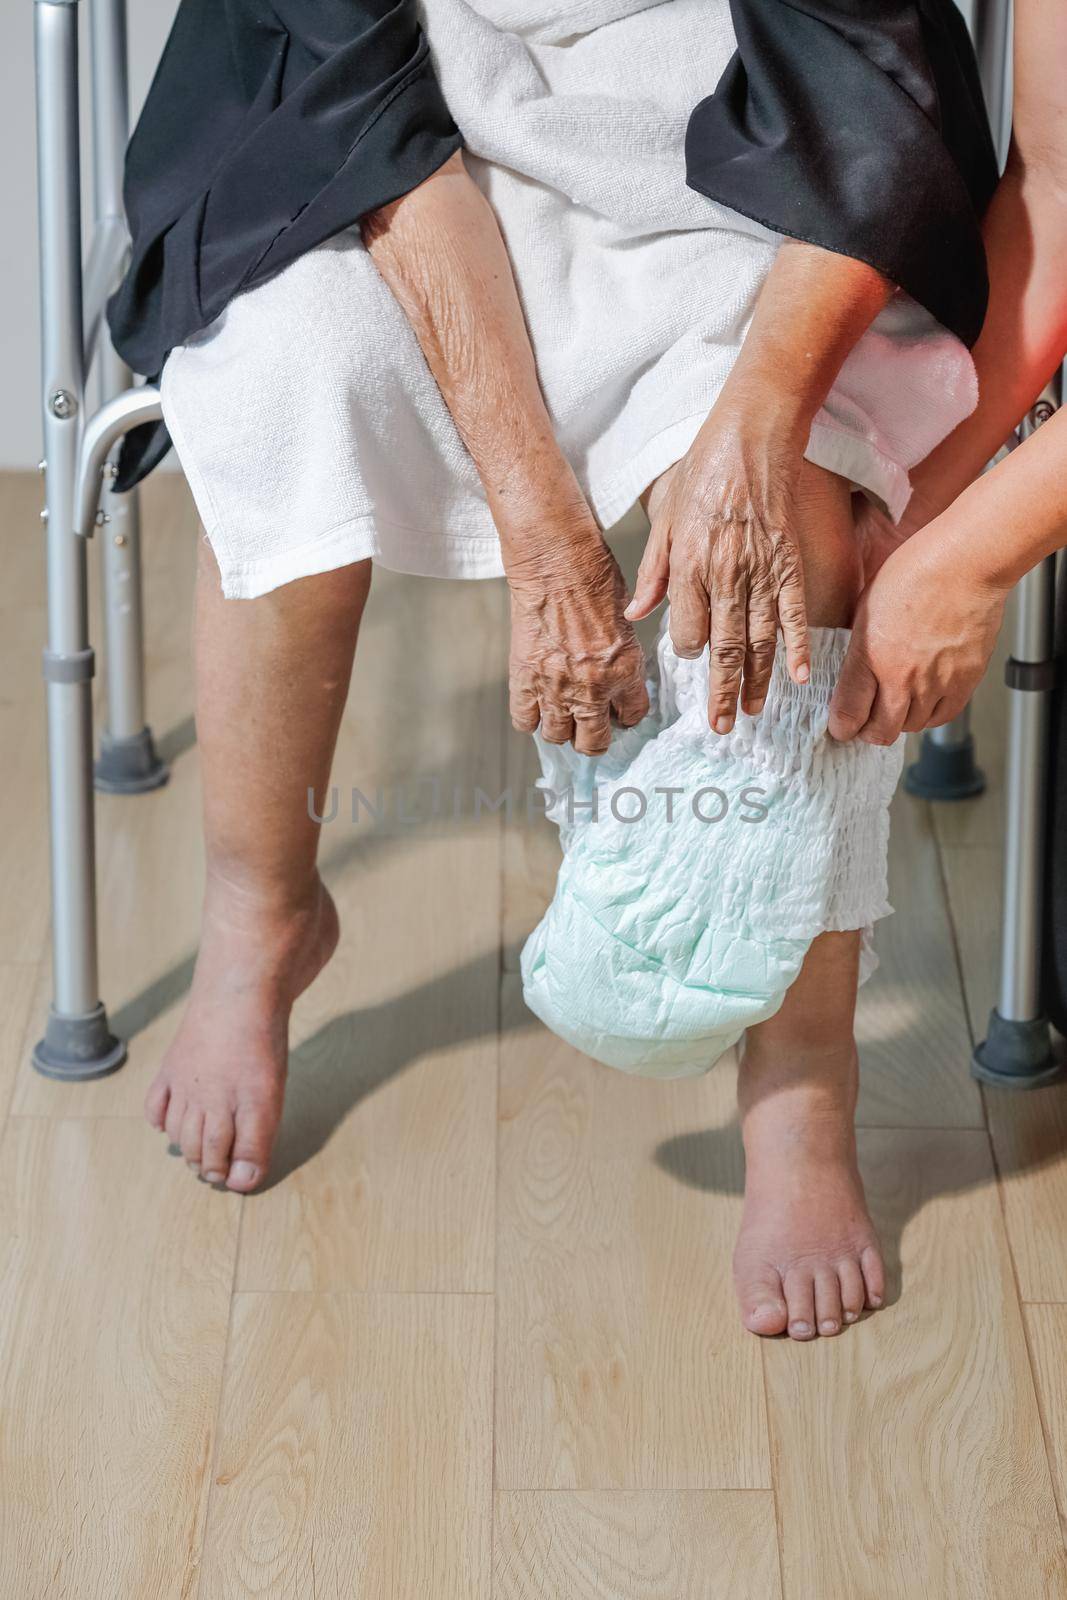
pixel 440 251
pixel 1013 517
pixel 813 308
pixel 1025 332
pixel 928 621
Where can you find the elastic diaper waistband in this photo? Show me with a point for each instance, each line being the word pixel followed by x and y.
pixel 698 867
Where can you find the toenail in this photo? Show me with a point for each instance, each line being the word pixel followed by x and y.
pixel 801 1328
pixel 875 1300
pixel 828 1327
pixel 243 1172
pixel 214 1177
pixel 852 1316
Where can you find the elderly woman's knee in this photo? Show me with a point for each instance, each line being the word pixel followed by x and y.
pixel 825 535
pixel 829 549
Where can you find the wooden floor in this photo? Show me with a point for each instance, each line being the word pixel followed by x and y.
pixel 477 1339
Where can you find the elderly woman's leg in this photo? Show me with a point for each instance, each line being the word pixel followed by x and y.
pixel 272 677
pixel 807 1258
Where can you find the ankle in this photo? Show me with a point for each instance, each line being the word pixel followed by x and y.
pixel 250 899
pixel 797 1100
pixel 799 1125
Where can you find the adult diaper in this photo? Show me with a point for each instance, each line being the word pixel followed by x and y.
pixel 699 867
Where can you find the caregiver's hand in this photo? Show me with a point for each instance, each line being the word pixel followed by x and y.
pixel 574 658
pixel 722 543
pixel 922 637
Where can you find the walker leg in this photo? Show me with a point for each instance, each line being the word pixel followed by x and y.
pixel 128 762
pixel 78 1042
pixel 1017 1053
pixel 946 768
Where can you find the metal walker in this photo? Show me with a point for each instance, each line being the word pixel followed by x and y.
pixel 78 442
pixel 78 1042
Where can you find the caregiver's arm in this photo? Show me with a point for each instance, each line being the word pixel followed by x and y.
pixel 1025 230
pixel 574 657
pixel 917 657
pixel 926 627
pixel 723 537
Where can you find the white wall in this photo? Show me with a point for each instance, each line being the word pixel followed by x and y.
pixel 20 433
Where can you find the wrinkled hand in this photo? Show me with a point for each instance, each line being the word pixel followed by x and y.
pixel 723 544
pixel 574 658
pixel 923 634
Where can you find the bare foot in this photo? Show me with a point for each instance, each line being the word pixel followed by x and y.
pixel 807 1259
pixel 219 1093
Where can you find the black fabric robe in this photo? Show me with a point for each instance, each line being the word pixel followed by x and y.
pixel 270 126
pixel 858 125
pixel 273 124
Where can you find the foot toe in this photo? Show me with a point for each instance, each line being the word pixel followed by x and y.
pixel 800 1298
pixel 172 1122
pixel 873 1276
pixel 759 1293
pixel 155 1103
pixel 768 1318
pixel 191 1136
pixel 254 1136
pixel 828 1310
pixel 217 1146
pixel 853 1289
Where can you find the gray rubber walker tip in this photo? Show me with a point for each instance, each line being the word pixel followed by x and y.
pixel 130 765
pixel 945 772
pixel 1017 1055
pixel 77 1048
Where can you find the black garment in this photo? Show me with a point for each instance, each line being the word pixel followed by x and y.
pixel 270 126
pixel 858 125
pixel 273 124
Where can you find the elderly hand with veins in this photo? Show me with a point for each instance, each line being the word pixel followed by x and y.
pixel 575 660
pixel 723 541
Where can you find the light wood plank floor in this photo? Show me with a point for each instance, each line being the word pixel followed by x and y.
pixel 477 1339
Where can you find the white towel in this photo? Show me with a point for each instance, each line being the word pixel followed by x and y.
pixel 309 425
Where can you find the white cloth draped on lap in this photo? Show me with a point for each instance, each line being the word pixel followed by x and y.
pixel 309 426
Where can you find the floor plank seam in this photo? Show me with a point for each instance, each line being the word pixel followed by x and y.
pixel 957 950
pixel 998 1178
pixel 374 1293
pixel 1046 1432
pixel 26 1034
pixel 1046 1437
pixel 219 1401
pixel 771 1458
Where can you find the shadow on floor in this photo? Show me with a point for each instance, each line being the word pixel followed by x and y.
pixel 177 741
pixel 354 1054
